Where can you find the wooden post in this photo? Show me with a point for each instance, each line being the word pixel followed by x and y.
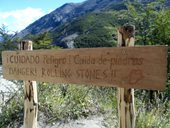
pixel 30 95
pixel 126 108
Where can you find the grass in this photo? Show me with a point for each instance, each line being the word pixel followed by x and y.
pixel 156 118
pixel 70 102
pixel 67 102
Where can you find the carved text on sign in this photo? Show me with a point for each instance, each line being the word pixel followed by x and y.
pixel 124 67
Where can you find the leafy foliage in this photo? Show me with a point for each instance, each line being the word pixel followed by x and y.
pixel 11 114
pixel 151 21
pixel 7 42
pixel 94 30
pixel 64 102
pixel 154 116
pixel 41 41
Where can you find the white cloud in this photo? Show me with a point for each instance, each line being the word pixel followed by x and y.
pixel 19 19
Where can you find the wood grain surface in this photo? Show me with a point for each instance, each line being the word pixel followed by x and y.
pixel 143 67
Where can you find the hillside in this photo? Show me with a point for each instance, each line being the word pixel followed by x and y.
pixel 63 14
pixel 84 21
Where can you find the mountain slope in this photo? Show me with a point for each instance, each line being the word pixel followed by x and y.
pixel 71 20
pixel 66 13
pixel 49 21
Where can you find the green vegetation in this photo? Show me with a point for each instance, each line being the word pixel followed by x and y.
pixel 64 102
pixel 60 102
pixel 94 32
pixel 10 42
pixel 41 41
pixel 6 41
pixel 12 111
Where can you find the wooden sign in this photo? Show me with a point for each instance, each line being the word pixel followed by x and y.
pixel 128 67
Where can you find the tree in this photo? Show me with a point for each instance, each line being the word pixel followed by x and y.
pixel 7 41
pixel 41 41
pixel 153 28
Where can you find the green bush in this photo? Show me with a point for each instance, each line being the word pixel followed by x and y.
pixel 65 102
pixel 62 102
pixel 156 118
pixel 12 112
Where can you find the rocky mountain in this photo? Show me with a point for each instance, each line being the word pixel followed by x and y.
pixel 51 20
pixel 66 13
pixel 59 18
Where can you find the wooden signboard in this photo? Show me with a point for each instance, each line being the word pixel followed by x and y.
pixel 130 67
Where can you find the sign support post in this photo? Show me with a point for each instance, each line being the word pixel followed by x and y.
pixel 126 107
pixel 30 95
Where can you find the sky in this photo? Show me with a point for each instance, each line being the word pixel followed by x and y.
pixel 18 14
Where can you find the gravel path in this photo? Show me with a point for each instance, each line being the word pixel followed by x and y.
pixel 91 122
pixel 5 87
